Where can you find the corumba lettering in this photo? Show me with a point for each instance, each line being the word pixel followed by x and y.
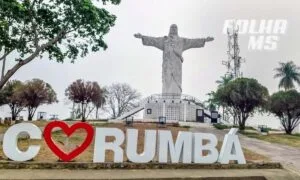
pixel 187 148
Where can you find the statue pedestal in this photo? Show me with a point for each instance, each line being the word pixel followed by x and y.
pixel 173 109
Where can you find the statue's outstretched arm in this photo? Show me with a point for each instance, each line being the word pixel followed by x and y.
pixel 157 42
pixel 195 43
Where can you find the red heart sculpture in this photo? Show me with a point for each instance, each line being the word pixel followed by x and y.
pixel 68 131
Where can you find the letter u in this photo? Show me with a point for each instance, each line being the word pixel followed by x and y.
pixel 149 146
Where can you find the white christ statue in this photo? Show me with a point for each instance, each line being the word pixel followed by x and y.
pixel 172 46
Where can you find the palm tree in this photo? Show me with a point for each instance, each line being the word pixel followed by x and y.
pixel 212 104
pixel 100 101
pixel 224 80
pixel 289 73
pixel 221 83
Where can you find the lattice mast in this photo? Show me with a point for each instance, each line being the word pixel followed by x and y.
pixel 234 61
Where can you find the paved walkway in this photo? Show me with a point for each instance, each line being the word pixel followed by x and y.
pixel 254 174
pixel 288 156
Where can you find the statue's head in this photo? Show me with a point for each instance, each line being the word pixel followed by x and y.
pixel 173 30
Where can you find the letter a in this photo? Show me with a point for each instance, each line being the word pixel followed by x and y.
pixel 231 149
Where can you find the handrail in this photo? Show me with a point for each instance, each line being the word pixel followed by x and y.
pixel 156 97
pixel 183 97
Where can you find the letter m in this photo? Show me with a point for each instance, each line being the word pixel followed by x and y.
pixel 256 43
pixel 180 151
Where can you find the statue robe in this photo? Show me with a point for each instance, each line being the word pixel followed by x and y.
pixel 172 47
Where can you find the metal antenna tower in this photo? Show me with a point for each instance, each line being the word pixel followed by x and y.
pixel 234 61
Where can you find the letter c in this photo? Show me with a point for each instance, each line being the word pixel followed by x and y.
pixel 10 142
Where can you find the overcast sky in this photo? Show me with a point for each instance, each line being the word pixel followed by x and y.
pixel 126 60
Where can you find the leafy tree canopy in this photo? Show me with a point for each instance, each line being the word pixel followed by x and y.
pixel 244 95
pixel 84 93
pixel 35 93
pixel 60 28
pixel 10 95
pixel 286 106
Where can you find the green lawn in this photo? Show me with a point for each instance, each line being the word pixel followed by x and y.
pixel 290 140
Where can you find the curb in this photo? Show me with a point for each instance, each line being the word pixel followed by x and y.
pixel 127 165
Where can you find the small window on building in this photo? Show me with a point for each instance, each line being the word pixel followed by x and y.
pixel 149 111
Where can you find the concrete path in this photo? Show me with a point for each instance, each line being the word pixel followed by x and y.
pixel 254 174
pixel 288 156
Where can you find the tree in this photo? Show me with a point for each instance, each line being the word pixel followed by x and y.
pixel 288 74
pixel 56 28
pixel 244 96
pixel 99 101
pixel 286 106
pixel 121 97
pixel 11 96
pixel 224 80
pixel 211 103
pixel 227 112
pixel 35 93
pixel 2 99
pixel 84 93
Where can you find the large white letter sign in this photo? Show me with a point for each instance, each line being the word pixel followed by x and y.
pixel 10 142
pixel 213 153
pixel 101 145
pixel 180 151
pixel 149 146
pixel 231 149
